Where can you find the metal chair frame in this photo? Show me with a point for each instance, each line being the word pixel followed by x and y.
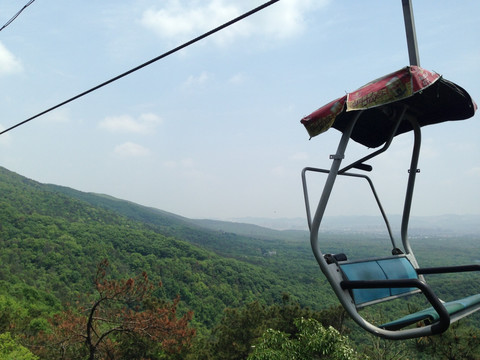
pixel 332 269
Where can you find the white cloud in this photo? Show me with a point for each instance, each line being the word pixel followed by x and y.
pixel 287 18
pixel 177 20
pixel 239 78
pixel 130 149
pixel 58 116
pixel 144 124
pixel 187 170
pixel 197 80
pixel 9 64
pixel 182 20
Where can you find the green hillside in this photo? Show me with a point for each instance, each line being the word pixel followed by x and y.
pixel 52 238
pixel 210 234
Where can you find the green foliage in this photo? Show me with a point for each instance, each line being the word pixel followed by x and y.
pixel 240 328
pixel 458 343
pixel 11 349
pixel 52 238
pixel 23 308
pixel 52 241
pixel 312 341
pixel 381 349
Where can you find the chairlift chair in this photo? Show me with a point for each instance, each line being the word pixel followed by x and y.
pixel 403 101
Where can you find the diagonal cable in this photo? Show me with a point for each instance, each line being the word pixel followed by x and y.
pixel 170 52
pixel 16 15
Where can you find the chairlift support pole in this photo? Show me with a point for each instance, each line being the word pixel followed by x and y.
pixel 410 31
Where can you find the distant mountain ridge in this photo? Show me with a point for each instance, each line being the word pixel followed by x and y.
pixel 284 228
pixel 440 224
pixel 272 228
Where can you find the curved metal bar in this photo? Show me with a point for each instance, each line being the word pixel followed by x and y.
pixel 305 195
pixel 332 270
pixel 327 190
pixel 384 147
pixel 435 328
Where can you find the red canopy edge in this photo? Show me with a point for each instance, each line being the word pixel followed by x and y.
pixel 393 87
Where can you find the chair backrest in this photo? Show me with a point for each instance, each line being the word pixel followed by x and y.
pixel 398 267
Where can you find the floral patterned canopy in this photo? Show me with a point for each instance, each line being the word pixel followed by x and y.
pixel 428 96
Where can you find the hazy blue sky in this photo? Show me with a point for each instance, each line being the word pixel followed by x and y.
pixel 213 131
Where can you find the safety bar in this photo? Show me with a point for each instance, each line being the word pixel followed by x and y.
pixel 359 164
pixel 436 328
pixel 447 269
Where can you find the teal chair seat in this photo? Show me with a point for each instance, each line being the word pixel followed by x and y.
pixel 380 269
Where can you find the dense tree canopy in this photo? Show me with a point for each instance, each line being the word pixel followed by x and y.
pixel 312 341
pixel 53 239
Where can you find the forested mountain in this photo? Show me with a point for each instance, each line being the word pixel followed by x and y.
pixel 178 225
pixel 53 238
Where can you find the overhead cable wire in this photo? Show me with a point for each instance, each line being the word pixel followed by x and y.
pixel 16 15
pixel 170 52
